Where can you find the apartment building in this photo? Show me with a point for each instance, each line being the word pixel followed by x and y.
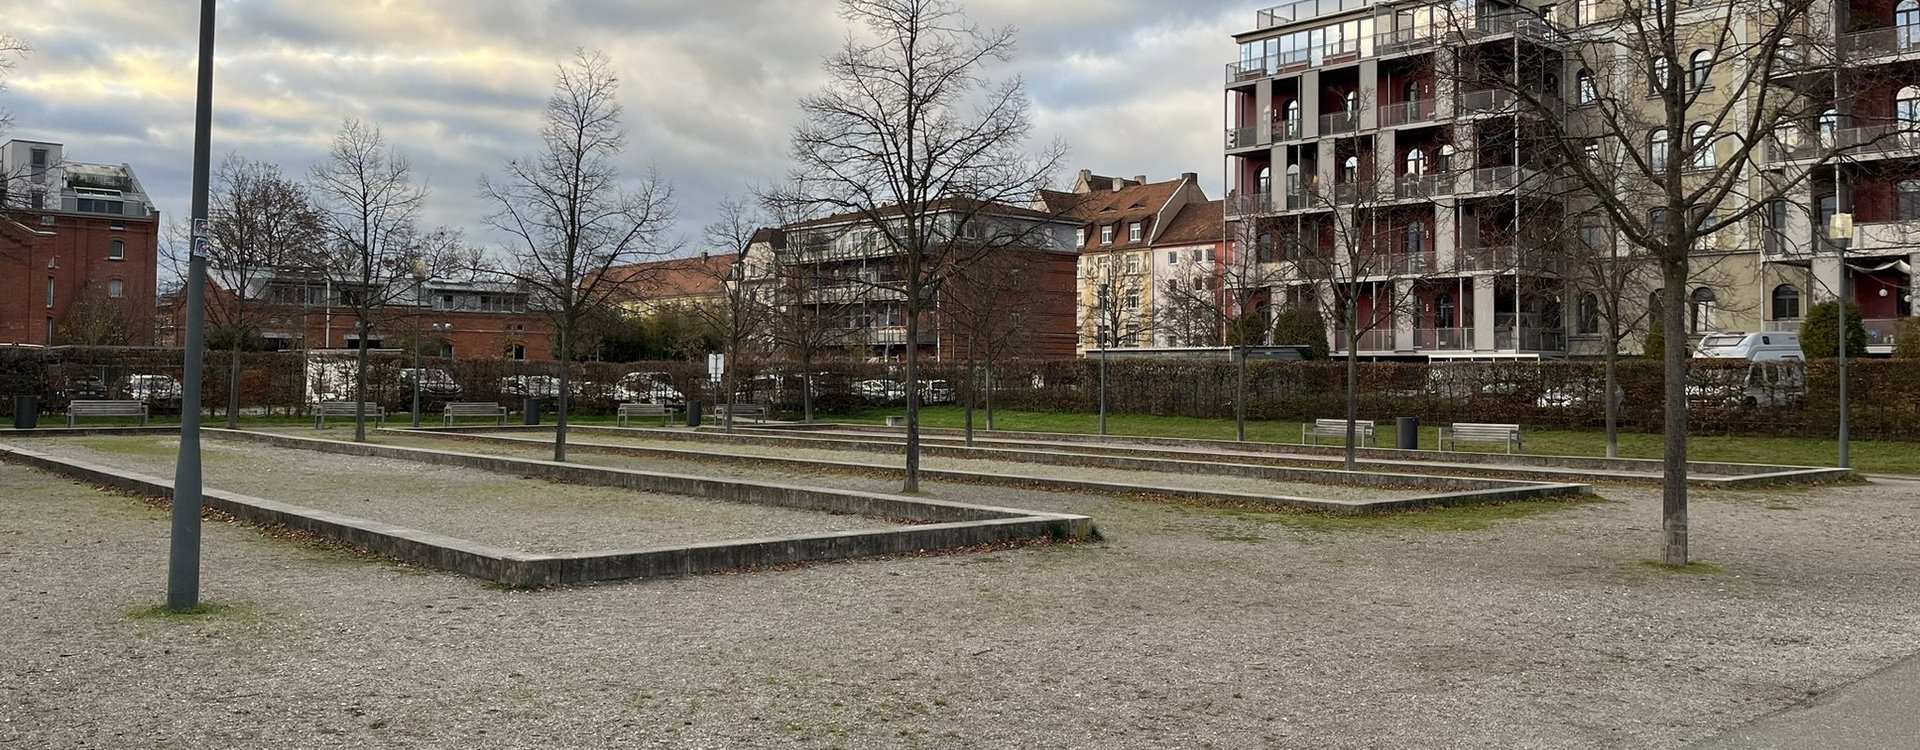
pixel 1350 157
pixel 296 308
pixel 1119 221
pixel 840 270
pixel 79 245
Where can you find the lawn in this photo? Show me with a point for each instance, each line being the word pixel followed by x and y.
pixel 1882 457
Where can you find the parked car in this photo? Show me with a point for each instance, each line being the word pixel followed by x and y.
pixel 436 386
pixel 530 386
pixel 1769 383
pixel 880 391
pixel 162 393
pixel 936 392
pixel 1578 393
pixel 647 388
pixel 82 387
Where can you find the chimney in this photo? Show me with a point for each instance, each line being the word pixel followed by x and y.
pixel 1190 176
pixel 1119 185
pixel 1139 179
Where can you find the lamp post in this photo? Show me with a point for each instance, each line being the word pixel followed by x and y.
pixel 1100 330
pixel 1840 230
pixel 183 552
pixel 419 279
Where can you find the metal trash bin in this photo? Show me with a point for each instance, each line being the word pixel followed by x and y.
pixel 1406 433
pixel 530 411
pixel 26 412
pixel 693 414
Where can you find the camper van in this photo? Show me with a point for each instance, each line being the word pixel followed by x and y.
pixel 1757 347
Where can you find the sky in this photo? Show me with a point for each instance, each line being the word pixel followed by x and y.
pixel 709 87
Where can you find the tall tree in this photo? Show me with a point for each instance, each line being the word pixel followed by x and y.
pixel 989 307
pixel 740 312
pixel 568 215
pixel 12 49
pixel 96 318
pixel 1686 122
pixel 911 139
pixel 1218 297
pixel 262 222
pixel 374 248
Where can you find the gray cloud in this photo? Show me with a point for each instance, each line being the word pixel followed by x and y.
pixel 1133 86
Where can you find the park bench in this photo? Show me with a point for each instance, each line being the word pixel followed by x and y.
pixel 324 409
pixel 460 409
pixel 632 409
pixel 77 409
pixel 1337 429
pixel 755 412
pixel 1472 432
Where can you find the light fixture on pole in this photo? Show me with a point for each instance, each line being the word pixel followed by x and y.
pixel 1840 231
pixel 419 279
pixel 1101 331
pixel 183 553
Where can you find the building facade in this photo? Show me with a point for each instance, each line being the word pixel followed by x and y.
pixel 1119 222
pixel 294 309
pixel 79 243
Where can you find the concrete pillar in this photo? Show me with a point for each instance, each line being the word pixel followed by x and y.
pixel 1310 104
pixel 1263 101
pixel 1370 104
pixel 1483 287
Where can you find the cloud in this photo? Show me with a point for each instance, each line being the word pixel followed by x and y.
pixel 709 86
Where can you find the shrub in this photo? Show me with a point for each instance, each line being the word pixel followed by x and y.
pixel 1302 326
pixel 1819 330
pixel 1906 341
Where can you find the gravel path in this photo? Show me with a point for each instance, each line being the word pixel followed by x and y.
pixel 530 515
pixel 1188 627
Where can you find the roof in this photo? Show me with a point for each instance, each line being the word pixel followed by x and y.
pixel 698 276
pixel 1196 223
pixel 944 205
pixel 769 235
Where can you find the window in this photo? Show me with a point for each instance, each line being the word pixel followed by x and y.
pixel 1906 105
pixel 1416 237
pixel 1444 309
pixel 1173 257
pixel 1293 119
pixel 1351 104
pixel 1416 163
pixel 116 289
pixel 1293 178
pixel 1828 206
pixel 98 206
pixel 1906 21
pixel 1080 237
pixel 1132 300
pixel 1777 224
pixel 117 224
pixel 38 161
pixel 1657 220
pixel 1263 180
pixel 1135 230
pixel 1786 302
pixel 1593 156
pixel 1106 234
pixel 1586 11
pixel 1593 235
pixel 1350 169
pixel 1209 254
pixel 1443 159
pixel 1587 316
pixel 1657 76
pixel 1584 90
pixel 1827 127
pixel 1700 70
pixel 1908 199
pixel 1658 147
pixel 1410 92
pixel 517 351
pixel 1700 140
pixel 1133 263
pixel 1702 305
pixel 116 250
pixel 49 292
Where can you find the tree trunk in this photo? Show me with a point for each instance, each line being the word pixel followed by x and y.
pixel 806 383
pixel 1240 396
pixel 1613 403
pixel 566 388
pixel 233 386
pixel 989 397
pixel 360 381
pixel 970 390
pixel 912 483
pixel 1673 495
pixel 1353 382
pixel 727 382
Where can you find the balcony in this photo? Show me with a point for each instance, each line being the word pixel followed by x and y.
pixel 1249 70
pixel 1303 10
pixel 1249 204
pixel 1885 238
pixel 1530 339
pixel 1443 338
pixel 1880 332
pixel 1880 42
pixel 1339 123
pixel 1783 326
pixel 1246 137
pixel 1286 130
pixel 1487 100
pixel 1896 138
pixel 1377 340
pixel 1302 200
pixel 896 335
pixel 1418 186
pixel 1505 258
pixel 1500 178
pixel 1407 112
pixel 1405 41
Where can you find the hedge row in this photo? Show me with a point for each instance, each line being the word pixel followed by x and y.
pixel 1726 397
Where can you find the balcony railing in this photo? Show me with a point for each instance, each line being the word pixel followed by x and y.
pixel 1416 186
pixel 1340 122
pixel 1443 338
pixel 896 335
pixel 1500 178
pixel 1301 200
pixel 1400 41
pixel 1242 137
pixel 1530 339
pixel 1487 100
pixel 1249 70
pixel 1880 331
pixel 1286 130
pixel 1783 326
pixel 1377 340
pixel 1503 258
pixel 1249 204
pixel 1882 138
pixel 1876 42
pixel 1415 110
pixel 1886 236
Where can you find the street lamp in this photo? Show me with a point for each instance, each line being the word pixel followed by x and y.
pixel 1100 330
pixel 419 279
pixel 183 552
pixel 1840 230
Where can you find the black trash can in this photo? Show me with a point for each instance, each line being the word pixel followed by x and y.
pixel 1406 433
pixel 26 412
pixel 530 411
pixel 693 414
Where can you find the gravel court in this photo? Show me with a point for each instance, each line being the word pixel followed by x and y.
pixel 525 514
pixel 1188 627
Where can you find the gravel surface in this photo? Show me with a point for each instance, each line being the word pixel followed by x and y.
pixel 1188 627
pixel 530 515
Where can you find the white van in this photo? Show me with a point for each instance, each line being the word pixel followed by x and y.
pixel 1758 347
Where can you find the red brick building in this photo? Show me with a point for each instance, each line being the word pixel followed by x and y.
pixel 293 309
pixel 79 245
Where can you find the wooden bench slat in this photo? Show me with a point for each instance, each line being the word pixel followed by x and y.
pixel 106 408
pixel 1481 432
pixel 324 409
pixel 1364 431
pixel 455 410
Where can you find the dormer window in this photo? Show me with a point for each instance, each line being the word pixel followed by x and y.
pixel 1106 234
pixel 1135 230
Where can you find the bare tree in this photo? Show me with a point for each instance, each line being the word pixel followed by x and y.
pixel 96 318
pixel 262 222
pixel 989 307
pixel 12 50
pixel 740 312
pixel 910 139
pixel 1686 122
pixel 569 217
pixel 1215 301
pixel 370 208
pixel 808 316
